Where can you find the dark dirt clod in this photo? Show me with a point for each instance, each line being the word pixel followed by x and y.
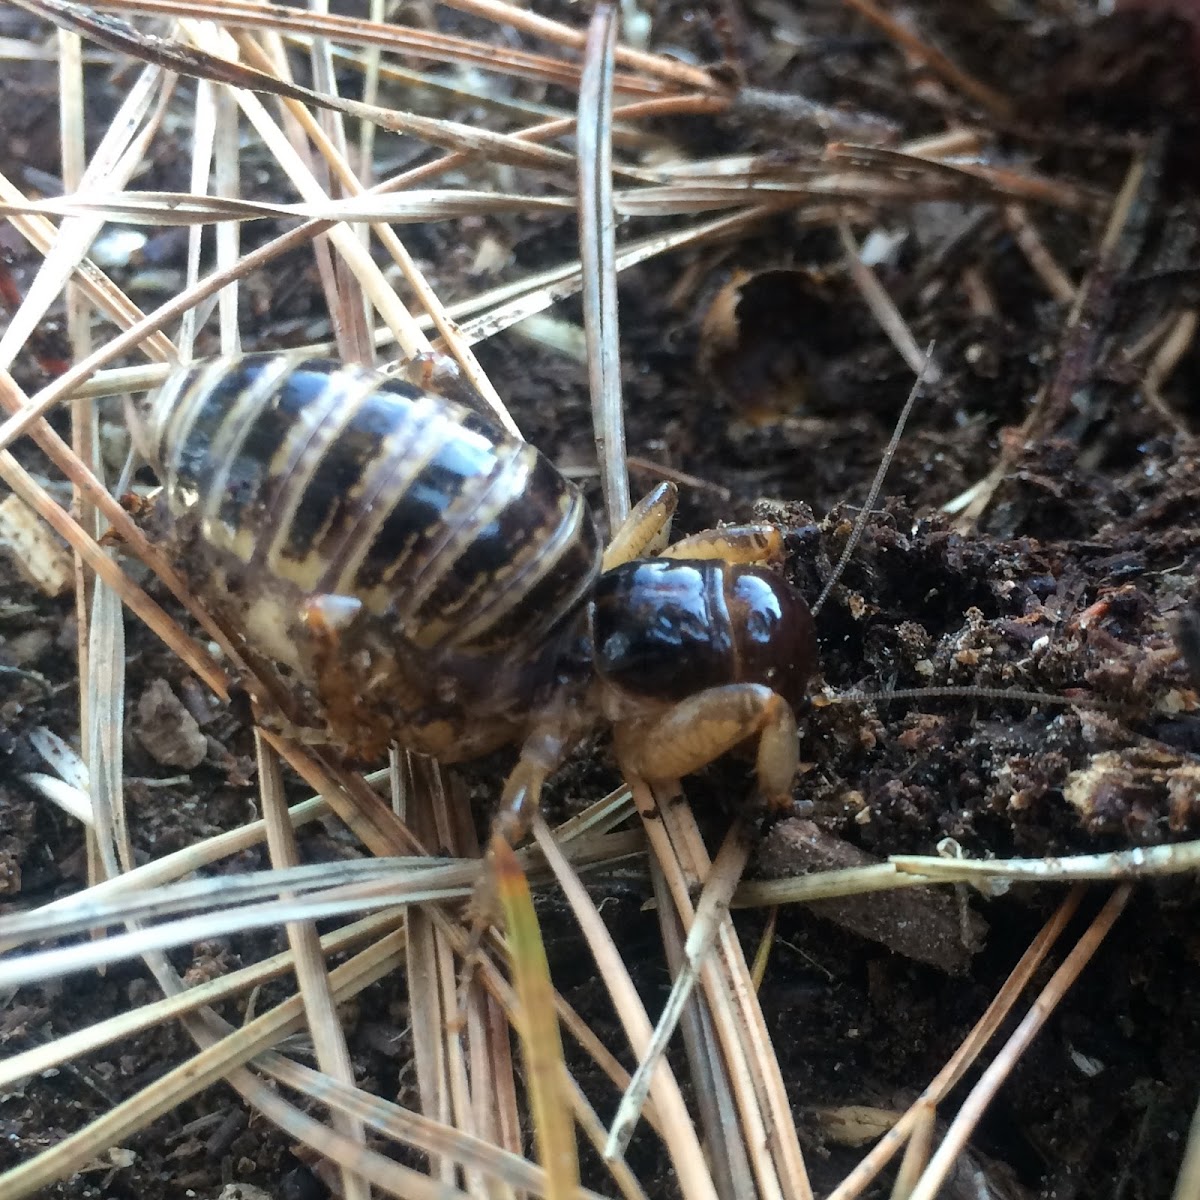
pixel 167 730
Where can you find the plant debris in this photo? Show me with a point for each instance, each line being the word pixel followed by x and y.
pixel 811 201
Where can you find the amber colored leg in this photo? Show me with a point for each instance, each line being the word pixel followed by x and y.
pixel 699 730
pixel 733 544
pixel 358 721
pixel 541 754
pixel 645 531
pixel 522 792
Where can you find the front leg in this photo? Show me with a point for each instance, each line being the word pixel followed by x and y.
pixel 697 731
pixel 646 530
pixel 735 544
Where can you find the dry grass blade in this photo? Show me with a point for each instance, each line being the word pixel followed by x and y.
pixel 1187 1185
pixel 677 1130
pixel 749 1055
pixel 181 208
pixel 174 866
pixel 908 167
pixel 218 1061
pixel 120 37
pixel 919 361
pixel 213 991
pixel 541 1044
pixel 533 296
pixel 145 893
pixel 1027 237
pixel 1172 349
pixel 941 64
pixel 439 318
pixel 916 1153
pixel 48 964
pixel 382 1172
pixel 413 1128
pixel 960 1061
pixel 329 1041
pixel 597 253
pixel 967 1118
pixel 94 284
pixel 97 907
pixel 729 1156
pixel 418 43
pixel 714 900
pixel 661 66
pixel 114 162
pixel 105 701
pixel 430 968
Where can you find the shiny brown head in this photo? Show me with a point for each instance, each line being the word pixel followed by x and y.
pixel 669 628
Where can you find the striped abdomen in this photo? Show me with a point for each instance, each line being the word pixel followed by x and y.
pixel 290 479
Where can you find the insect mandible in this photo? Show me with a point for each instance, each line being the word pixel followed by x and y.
pixel 396 568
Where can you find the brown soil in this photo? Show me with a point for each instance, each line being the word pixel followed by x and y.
pixel 1071 582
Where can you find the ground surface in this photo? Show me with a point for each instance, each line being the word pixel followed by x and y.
pixel 1071 580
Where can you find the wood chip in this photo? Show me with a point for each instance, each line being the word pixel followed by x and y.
pixel 42 558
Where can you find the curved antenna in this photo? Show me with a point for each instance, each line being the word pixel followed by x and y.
pixel 969 692
pixel 865 512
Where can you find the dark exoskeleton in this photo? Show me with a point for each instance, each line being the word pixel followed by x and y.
pixel 394 567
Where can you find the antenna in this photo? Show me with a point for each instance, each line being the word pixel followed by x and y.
pixel 865 512
pixel 968 692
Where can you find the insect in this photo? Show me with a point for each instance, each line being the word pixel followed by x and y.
pixel 395 568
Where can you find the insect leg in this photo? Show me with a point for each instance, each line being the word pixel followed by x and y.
pixel 733 544
pixel 699 730
pixel 645 531
pixel 357 720
pixel 541 753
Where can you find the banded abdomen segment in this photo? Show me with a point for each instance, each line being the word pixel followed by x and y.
pixel 340 480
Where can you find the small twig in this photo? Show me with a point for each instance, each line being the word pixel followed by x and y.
pixel 661 471
pixel 711 909
pixel 983 1092
pixel 1187 1186
pixel 1084 329
pixel 884 310
pixel 597 253
pixel 1166 358
pixel 831 122
pixel 864 514
pixel 938 62
pixel 1037 254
